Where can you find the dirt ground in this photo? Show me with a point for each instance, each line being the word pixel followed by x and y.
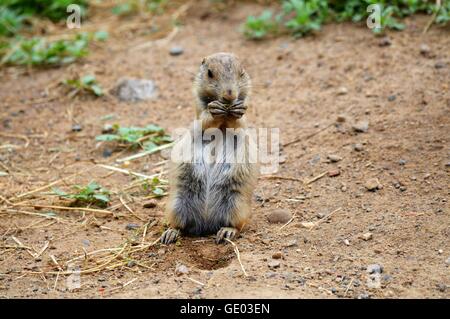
pixel 314 89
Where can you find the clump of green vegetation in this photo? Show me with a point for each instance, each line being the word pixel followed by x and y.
pixel 443 16
pixel 10 21
pixel 87 83
pixel 91 194
pixel 308 15
pixel 148 137
pixel 15 14
pixel 39 52
pixel 155 186
pixel 301 17
pixel 131 7
pixel 259 27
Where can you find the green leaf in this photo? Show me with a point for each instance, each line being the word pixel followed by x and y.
pixel 88 79
pixel 158 191
pixel 101 35
pixel 97 90
pixel 102 197
pixel 58 191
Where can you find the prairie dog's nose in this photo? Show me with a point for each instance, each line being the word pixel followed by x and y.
pixel 229 96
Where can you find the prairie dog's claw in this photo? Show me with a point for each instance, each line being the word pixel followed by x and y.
pixel 226 232
pixel 170 236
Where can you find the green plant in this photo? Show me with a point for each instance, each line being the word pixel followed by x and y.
pixel 87 83
pixel 14 12
pixel 443 16
pixel 301 17
pixel 309 15
pixel 156 6
pixel 154 185
pixel 147 137
pixel 259 27
pixel 38 51
pixel 387 20
pixel 10 21
pixel 131 7
pixel 91 194
pixel 124 9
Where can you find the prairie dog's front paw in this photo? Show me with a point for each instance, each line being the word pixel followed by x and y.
pixel 217 108
pixel 226 232
pixel 170 236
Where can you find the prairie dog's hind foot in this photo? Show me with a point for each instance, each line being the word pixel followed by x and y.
pixel 170 236
pixel 226 232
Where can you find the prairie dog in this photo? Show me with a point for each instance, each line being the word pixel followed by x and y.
pixel 214 197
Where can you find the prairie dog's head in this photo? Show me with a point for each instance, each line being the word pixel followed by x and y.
pixel 221 78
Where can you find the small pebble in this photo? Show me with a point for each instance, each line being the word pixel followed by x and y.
pixel 402 162
pixel 341 118
pixel 76 128
pixel 448 261
pixel 320 215
pixel 279 216
pixel 308 225
pixel 375 269
pixel 362 126
pixel 107 128
pixel 442 287
pixel 181 270
pixel 358 147
pixel 334 173
pixel 334 158
pixel 174 51
pixel 424 49
pixel 372 184
pixel 346 242
pixel 440 65
pixel 392 98
pixel 367 236
pixel 131 226
pixel 293 243
pixel 384 42
pixel 342 91
pixel 277 255
pixel 274 264
pixel 150 204
pixel 107 152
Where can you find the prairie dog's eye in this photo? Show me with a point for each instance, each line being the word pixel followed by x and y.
pixel 210 74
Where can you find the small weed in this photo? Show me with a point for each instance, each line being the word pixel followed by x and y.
pixel 154 187
pixel 91 194
pixel 40 52
pixel 259 27
pixel 301 17
pixel 388 21
pixel 87 83
pixel 148 137
pixel 13 13
pixel 309 15
pixel 10 21
pixel 131 7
